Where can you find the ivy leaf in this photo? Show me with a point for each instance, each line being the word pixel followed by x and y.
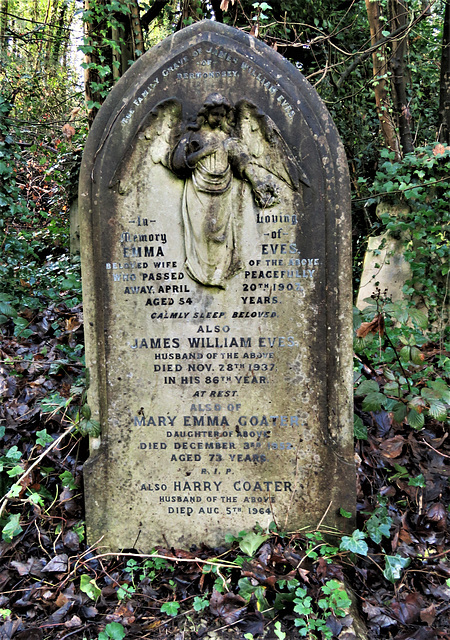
pixel 246 589
pixel 251 543
pixel 89 427
pixel 402 472
pixel 398 310
pixel 43 437
pixel 405 353
pixel 13 454
pixel 393 567
pixel 355 543
pixel 15 490
pixel 200 603
pixel 15 471
pixel 378 527
pixel 12 528
pixel 419 481
pixel 89 587
pixel 360 429
pixel 417 356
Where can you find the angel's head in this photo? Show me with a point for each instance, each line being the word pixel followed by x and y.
pixel 217 111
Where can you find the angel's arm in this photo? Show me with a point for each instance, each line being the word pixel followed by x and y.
pixel 266 192
pixel 179 157
pixel 188 152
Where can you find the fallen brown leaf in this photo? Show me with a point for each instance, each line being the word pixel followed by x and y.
pixel 374 326
pixel 392 447
pixel 428 615
pixel 227 606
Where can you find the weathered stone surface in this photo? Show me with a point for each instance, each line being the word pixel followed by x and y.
pixel 74 228
pixel 385 267
pixel 214 205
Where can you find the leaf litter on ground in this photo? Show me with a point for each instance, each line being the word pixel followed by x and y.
pixel 53 586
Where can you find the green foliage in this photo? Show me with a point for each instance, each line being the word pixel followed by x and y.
pixel 277 631
pixel 379 524
pixel 89 587
pixel 421 181
pixel 394 566
pixel 43 437
pixel 414 390
pixel 309 621
pixel 105 46
pixel 9 468
pixel 125 591
pixel 248 541
pixel 318 546
pixel 12 527
pixel 355 543
pixel 251 542
pixel 113 631
pixel 219 583
pixel 359 428
pixel 247 590
pixel 148 569
pixel 336 600
pixel 200 603
pixel 68 480
pixel 38 166
pixel 80 530
pixel 171 608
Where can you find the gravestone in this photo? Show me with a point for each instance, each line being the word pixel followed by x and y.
pixel 214 202
pixel 384 267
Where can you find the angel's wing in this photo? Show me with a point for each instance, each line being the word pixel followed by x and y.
pixel 266 146
pixel 155 138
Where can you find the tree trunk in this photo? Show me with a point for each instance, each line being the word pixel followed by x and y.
pixel 126 33
pixel 154 11
pixel 399 18
pixel 92 59
pixel 60 35
pixel 3 26
pixel 380 69
pixel 136 31
pixel 444 94
pixel 51 22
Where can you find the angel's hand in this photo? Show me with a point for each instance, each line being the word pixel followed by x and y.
pixel 266 194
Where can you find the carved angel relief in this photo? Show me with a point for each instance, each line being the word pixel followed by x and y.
pixel 225 148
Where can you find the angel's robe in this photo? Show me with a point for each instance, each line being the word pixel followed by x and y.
pixel 212 201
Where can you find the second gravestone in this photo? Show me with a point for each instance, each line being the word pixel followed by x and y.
pixel 217 288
